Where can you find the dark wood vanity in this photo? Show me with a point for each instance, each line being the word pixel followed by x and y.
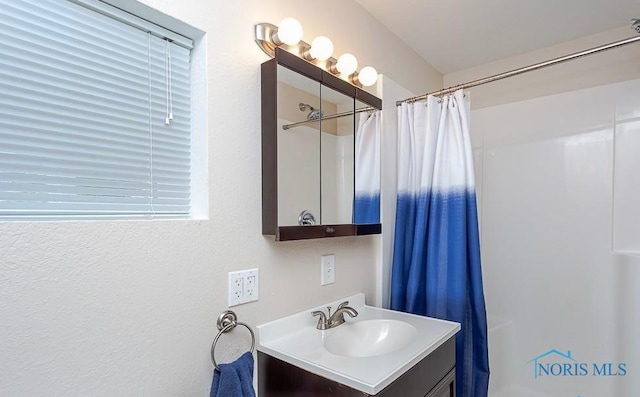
pixel 283 69
pixel 433 376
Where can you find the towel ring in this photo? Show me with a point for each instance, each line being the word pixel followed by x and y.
pixel 227 321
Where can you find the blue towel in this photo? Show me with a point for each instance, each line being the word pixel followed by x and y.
pixel 234 379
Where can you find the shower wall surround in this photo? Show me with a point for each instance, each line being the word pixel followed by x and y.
pixel 555 212
pixel 626 179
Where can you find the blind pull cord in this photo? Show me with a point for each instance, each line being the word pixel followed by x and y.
pixel 149 60
pixel 169 93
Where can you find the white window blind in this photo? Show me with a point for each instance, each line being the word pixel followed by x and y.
pixel 85 94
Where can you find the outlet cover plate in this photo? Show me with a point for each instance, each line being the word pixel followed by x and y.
pixel 244 287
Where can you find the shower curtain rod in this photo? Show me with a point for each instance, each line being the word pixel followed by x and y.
pixel 525 69
pixel 333 116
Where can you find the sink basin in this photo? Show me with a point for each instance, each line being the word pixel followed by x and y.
pixel 370 338
pixel 367 353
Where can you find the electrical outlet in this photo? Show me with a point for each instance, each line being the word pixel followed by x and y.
pixel 237 288
pixel 243 287
pixel 251 285
pixel 328 269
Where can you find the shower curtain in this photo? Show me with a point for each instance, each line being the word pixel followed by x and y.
pixel 366 207
pixel 436 261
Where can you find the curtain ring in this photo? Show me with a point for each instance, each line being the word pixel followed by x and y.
pixel 227 321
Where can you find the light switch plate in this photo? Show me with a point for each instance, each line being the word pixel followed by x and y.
pixel 328 269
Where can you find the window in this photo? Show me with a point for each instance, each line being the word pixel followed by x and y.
pixel 94 113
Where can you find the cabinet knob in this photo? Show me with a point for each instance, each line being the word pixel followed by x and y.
pixel 331 230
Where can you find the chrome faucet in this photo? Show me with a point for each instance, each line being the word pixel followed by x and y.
pixel 336 318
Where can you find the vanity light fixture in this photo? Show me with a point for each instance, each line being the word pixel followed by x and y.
pixel 367 76
pixel 289 36
pixel 321 48
pixel 347 64
pixel 290 32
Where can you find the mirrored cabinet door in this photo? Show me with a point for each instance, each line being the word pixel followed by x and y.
pixel 299 148
pixel 366 204
pixel 336 157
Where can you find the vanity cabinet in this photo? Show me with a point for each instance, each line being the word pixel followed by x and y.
pixel 313 137
pixel 433 376
pixel 446 387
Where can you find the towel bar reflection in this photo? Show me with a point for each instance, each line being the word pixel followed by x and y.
pixel 227 321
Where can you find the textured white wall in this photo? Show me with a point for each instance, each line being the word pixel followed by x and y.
pixel 128 308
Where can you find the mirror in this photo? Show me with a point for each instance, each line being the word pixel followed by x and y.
pixel 366 208
pixel 298 148
pixel 336 157
pixel 320 153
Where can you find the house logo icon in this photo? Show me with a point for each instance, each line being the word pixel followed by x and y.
pixel 556 363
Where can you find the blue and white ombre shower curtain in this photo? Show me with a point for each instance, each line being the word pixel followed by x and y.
pixel 366 207
pixel 436 261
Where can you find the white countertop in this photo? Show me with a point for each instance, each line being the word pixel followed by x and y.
pixel 295 340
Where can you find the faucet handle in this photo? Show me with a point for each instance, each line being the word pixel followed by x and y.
pixel 343 304
pixel 319 313
pixel 322 320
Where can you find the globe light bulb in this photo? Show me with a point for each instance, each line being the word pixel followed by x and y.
pixel 347 64
pixel 368 76
pixel 321 48
pixel 290 31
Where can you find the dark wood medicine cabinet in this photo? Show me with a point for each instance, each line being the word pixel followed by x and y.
pixel 309 124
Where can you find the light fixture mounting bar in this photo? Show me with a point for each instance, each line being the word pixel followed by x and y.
pixel 264 33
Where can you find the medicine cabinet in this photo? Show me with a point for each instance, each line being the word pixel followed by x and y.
pixel 310 170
